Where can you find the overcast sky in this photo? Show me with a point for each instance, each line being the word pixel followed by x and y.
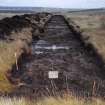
pixel 55 3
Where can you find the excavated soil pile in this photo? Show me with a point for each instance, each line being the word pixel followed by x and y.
pixel 17 23
pixel 59 48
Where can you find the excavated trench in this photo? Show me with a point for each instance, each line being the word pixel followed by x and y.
pixel 59 48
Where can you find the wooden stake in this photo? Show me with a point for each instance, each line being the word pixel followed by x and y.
pixel 17 68
pixel 94 86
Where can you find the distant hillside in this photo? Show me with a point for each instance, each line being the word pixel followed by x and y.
pixel 34 9
pixel 46 9
pixel 89 11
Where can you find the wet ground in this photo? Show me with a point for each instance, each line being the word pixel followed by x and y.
pixel 59 49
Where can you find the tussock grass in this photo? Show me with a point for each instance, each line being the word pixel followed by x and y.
pixel 8 50
pixel 14 101
pixel 7 59
pixel 67 100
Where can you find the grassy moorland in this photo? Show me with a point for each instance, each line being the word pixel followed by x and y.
pixel 3 15
pixel 92 27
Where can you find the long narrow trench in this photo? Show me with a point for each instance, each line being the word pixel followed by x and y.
pixel 59 50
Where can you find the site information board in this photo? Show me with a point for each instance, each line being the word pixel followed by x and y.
pixel 53 74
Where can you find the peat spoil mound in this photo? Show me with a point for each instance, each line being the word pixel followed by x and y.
pixel 17 23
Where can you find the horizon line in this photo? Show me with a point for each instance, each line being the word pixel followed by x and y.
pixel 51 7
